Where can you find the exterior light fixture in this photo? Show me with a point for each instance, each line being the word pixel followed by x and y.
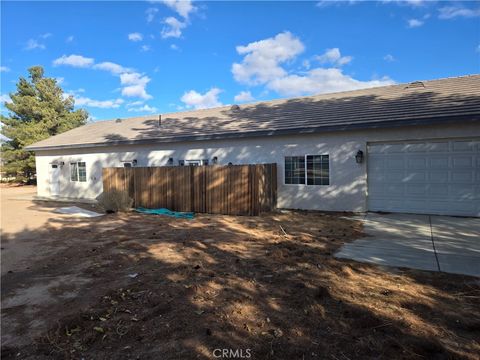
pixel 134 162
pixel 359 157
pixel 215 160
pixel 170 161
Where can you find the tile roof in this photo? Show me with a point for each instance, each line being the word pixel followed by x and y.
pixel 417 103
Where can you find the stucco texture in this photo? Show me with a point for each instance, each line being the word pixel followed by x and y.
pixel 348 180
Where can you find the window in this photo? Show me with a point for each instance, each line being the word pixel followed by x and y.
pixel 78 172
pixel 308 169
pixel 294 170
pixel 318 170
pixel 192 162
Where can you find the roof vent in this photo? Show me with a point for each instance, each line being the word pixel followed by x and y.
pixel 415 85
pixel 160 120
pixel 118 120
pixel 235 107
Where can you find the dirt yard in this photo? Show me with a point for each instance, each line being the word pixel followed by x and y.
pixel 131 286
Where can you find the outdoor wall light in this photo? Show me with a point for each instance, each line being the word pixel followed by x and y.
pixel 61 163
pixel 215 160
pixel 134 162
pixel 170 161
pixel 359 157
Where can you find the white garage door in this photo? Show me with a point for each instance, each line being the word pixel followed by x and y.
pixel 433 177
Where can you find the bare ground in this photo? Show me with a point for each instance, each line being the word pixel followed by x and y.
pixel 130 286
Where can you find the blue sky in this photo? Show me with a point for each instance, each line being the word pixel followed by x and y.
pixel 122 59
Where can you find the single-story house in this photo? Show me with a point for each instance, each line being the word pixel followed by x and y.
pixel 411 148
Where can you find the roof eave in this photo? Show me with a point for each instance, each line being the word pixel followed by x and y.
pixel 261 133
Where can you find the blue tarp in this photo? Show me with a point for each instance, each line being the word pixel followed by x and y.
pixel 167 212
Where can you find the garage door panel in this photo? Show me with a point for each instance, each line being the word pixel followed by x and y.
pixel 431 177
pixel 438 177
pixel 395 163
pixel 395 189
pixel 416 189
pixel 462 162
pixel 438 147
pixel 465 145
pixel 437 162
pixel 394 176
pixel 436 190
pixel 417 163
pixel 463 177
pixel 415 177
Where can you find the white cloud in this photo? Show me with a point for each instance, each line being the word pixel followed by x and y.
pixel 413 23
pixel 60 80
pixel 174 47
pixel 202 101
pixel 104 104
pixel 243 96
pixel 145 48
pixel 144 108
pixel 151 12
pixel 114 68
pixel 4 69
pixel 135 36
pixel 262 65
pixel 45 36
pixel 4 98
pixel 181 7
pixel 70 39
pixel 334 57
pixel 262 59
pixel 134 103
pixel 173 28
pixel 451 12
pixel 135 84
pixel 33 44
pixel 389 58
pixel 320 80
pixel 477 49
pixel 412 3
pixel 74 60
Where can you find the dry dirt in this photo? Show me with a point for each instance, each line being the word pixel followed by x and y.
pixel 131 286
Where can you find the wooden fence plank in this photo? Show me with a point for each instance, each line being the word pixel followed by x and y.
pixel 234 190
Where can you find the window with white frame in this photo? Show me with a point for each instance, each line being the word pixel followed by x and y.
pixel 307 169
pixel 78 171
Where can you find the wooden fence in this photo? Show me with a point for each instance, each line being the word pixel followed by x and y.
pixel 232 190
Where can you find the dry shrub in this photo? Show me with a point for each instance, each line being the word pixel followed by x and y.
pixel 115 201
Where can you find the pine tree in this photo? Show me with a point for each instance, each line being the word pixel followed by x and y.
pixel 39 109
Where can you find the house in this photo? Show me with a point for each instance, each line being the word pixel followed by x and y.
pixel 411 148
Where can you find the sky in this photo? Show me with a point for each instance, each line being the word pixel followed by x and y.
pixel 131 58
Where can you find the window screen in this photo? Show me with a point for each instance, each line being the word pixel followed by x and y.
pixel 318 170
pixel 294 170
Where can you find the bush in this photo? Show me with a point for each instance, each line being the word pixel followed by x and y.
pixel 114 201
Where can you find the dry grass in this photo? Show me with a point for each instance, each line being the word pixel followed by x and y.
pixel 269 284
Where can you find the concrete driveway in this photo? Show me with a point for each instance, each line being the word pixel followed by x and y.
pixel 435 243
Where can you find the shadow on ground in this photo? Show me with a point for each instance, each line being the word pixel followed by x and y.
pixel 136 286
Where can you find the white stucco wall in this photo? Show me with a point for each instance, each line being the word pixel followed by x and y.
pixel 348 180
